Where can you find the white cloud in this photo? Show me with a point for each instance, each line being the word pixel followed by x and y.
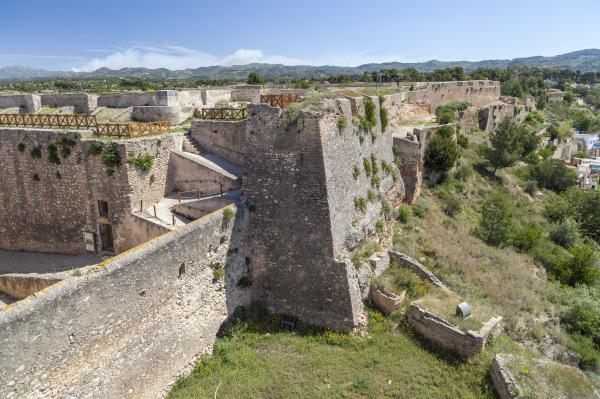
pixel 177 57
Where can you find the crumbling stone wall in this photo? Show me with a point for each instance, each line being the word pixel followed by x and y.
pixel 83 103
pixel 47 207
pixel 477 92
pixel 27 103
pixel 492 115
pixel 223 138
pixel 129 327
pixel 441 332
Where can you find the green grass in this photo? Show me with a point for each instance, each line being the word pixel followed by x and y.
pixel 259 361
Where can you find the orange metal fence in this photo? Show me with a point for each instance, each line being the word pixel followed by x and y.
pixel 223 113
pixel 279 100
pixel 118 130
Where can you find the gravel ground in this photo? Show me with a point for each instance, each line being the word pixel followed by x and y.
pixel 38 262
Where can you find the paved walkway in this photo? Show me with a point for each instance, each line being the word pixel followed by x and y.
pixel 38 262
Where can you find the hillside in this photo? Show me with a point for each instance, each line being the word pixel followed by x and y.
pixel 583 60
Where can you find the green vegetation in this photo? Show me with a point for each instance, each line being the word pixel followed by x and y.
pixel 367 166
pixel 228 214
pixel 53 154
pixel 442 152
pixel 21 147
pixel 363 251
pixel 496 220
pixel 36 152
pixel 360 204
pixel 218 273
pixel 110 156
pixel 342 123
pixel 35 177
pixel 371 196
pixel 95 148
pixel 254 78
pixel 143 163
pixel 448 113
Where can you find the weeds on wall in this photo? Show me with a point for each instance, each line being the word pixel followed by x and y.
pixel 36 153
pixel 143 163
pixel 342 123
pixel 66 145
pixel 111 157
pixel 53 154
pixel 360 204
pixel 152 179
pixel 355 172
pixel 21 147
pixel 96 148
pixel 371 196
pixel 35 177
pixel 228 214
pixel 367 166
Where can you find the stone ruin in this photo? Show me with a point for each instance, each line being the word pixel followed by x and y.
pixel 233 212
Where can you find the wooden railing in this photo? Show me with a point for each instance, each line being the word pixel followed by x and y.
pixel 118 130
pixel 223 113
pixel 51 121
pixel 279 100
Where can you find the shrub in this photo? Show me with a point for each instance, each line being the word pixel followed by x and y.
pixel 341 123
pixel 462 140
pixel 244 282
pixel 379 226
pixel 565 233
pixel 580 267
pixel 445 114
pixel 110 156
pixel 218 273
pixel 496 220
pixel 65 144
pixel 421 208
pixel 386 167
pixel 581 311
pixel 228 214
pixel 441 153
pixel 404 214
pixel 452 205
pixel 463 172
pixel 526 237
pixel 53 154
pixel 36 153
pixel 383 115
pixel 151 179
pixel 367 166
pixel 142 162
pixel 553 175
pixel 371 196
pixel 360 204
pixel 549 255
pixel 586 351
pixel 95 148
pixel 374 166
pixel 21 147
pixel 355 172
pixel 531 187
pixel 375 181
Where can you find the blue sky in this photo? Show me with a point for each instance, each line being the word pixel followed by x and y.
pixel 175 34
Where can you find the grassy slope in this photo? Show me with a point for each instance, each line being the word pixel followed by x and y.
pixel 391 362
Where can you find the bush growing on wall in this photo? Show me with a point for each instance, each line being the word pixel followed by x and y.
pixel 142 162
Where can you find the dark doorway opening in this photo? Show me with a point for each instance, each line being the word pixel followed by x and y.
pixel 106 236
pixel 103 208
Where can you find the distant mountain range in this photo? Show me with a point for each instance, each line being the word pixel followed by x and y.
pixel 583 60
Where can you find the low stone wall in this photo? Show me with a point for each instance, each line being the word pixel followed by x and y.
pixel 505 384
pixel 131 325
pixel 197 209
pixel 386 301
pixel 212 96
pixel 249 93
pixel 226 139
pixel 155 113
pixel 27 103
pixel 20 286
pixel 82 103
pixel 408 262
pixel 448 336
pixel 189 175
pixel 170 98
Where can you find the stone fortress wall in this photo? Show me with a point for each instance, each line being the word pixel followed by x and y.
pixel 25 102
pixel 477 92
pixel 299 185
pixel 226 139
pixel 47 207
pixel 82 103
pixel 130 326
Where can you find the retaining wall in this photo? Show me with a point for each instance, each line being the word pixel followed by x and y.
pixel 129 327
pixel 212 96
pixel 27 103
pixel 83 103
pixel 20 286
pixel 157 98
pixel 227 139
pixel 155 113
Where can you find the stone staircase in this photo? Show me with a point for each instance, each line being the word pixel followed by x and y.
pixel 190 145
